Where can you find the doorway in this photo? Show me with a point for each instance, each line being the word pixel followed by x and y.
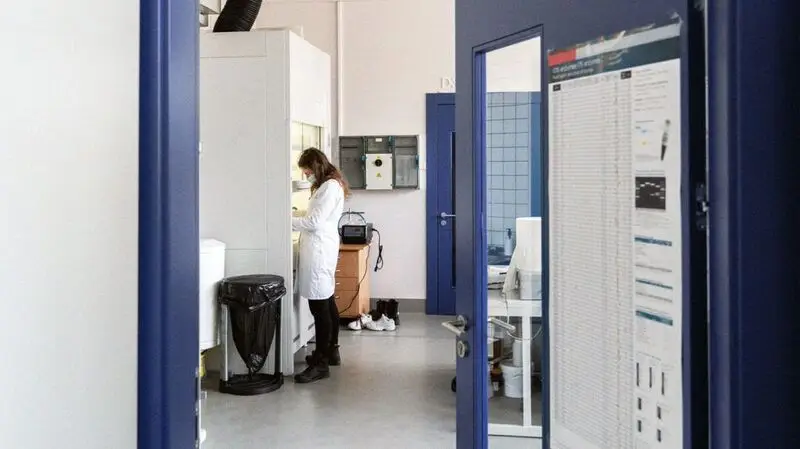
pixel 514 152
pixel 440 148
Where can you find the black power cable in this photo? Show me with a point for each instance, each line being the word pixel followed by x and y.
pixel 379 259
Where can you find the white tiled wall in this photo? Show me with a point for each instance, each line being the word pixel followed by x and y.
pixel 508 153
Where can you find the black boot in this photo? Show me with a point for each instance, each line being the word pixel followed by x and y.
pixel 312 357
pixel 316 370
pixel 393 311
pixel 334 358
pixel 380 310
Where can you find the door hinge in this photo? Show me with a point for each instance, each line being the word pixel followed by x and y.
pixel 701 207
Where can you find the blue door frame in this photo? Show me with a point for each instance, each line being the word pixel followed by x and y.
pixel 168 224
pixel 537 160
pixel 438 301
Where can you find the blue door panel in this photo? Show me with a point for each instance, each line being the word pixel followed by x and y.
pixel 444 167
pixel 754 244
pixel 483 25
pixel 440 145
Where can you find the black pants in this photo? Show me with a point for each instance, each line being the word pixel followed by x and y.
pixel 326 324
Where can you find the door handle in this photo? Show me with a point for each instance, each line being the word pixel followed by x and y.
pixel 444 215
pixel 500 323
pixel 457 326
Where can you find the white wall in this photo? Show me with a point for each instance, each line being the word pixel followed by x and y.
pixel 68 224
pixel 394 53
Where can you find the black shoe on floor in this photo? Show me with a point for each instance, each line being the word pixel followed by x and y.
pixel 312 374
pixel 380 310
pixel 334 358
pixel 393 311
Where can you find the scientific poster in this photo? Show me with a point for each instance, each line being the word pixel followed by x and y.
pixel 615 242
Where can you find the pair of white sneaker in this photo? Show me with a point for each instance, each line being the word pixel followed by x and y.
pixel 365 321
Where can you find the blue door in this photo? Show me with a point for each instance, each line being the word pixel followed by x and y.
pixel 566 29
pixel 441 125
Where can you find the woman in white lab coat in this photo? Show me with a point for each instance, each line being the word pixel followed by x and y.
pixel 319 254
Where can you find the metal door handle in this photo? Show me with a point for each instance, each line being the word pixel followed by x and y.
pixel 500 323
pixel 457 326
pixel 444 215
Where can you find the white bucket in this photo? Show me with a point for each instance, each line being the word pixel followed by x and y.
pixel 512 379
pixel 530 284
pixel 517 353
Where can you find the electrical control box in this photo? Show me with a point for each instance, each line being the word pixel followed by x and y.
pixel 380 162
pixel 379 168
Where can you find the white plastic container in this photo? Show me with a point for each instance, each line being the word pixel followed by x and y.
pixel 497 274
pixel 517 353
pixel 212 270
pixel 530 285
pixel 512 379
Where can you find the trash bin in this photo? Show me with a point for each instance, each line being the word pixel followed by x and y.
pixel 251 311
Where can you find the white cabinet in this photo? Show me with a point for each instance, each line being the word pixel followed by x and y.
pixel 264 96
pixel 212 270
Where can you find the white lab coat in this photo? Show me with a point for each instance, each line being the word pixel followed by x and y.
pixel 319 241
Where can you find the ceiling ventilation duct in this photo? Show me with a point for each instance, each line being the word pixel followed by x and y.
pixel 237 15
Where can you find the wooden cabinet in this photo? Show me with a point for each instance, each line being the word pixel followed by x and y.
pixel 352 281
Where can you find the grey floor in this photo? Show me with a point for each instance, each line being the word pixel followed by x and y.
pixel 393 391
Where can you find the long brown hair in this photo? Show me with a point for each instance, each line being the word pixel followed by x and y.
pixel 314 160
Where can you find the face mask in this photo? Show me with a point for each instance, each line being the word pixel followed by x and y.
pixel 311 178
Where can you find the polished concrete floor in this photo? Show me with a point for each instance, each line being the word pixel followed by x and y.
pixel 392 392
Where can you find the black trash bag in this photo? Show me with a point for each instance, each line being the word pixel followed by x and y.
pixel 253 302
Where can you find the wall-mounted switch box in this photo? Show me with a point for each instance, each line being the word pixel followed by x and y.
pixel 380 162
pixel 379 171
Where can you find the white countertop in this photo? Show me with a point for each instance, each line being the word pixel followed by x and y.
pixel 510 306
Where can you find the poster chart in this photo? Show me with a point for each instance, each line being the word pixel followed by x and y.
pixel 614 147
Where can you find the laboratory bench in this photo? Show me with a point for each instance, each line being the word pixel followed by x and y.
pixel 527 310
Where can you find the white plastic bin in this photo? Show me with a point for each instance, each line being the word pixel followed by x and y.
pixel 530 285
pixel 512 380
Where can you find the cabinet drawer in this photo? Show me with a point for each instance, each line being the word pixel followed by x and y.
pixel 347 283
pixel 351 303
pixel 350 264
pixel 347 302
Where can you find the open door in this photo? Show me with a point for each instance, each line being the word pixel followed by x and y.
pixel 622 236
